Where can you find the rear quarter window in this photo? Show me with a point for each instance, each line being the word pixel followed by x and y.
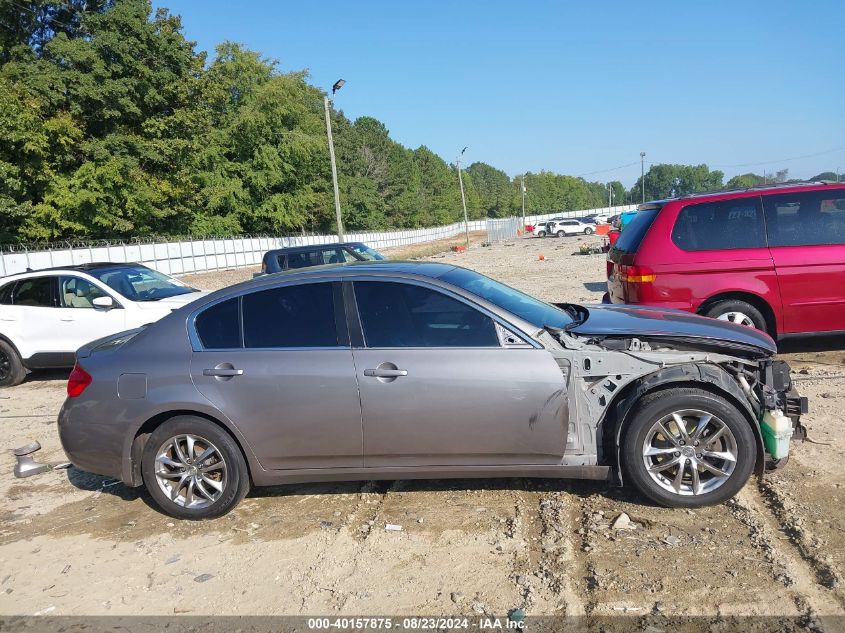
pixel 635 231
pixel 723 225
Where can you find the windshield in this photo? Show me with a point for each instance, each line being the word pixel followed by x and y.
pixel 522 305
pixel 139 283
pixel 367 253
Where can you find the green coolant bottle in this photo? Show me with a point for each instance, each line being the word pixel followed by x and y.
pixel 777 430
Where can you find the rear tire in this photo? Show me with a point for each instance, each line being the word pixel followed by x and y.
pixel 541 234
pixel 739 312
pixel 185 482
pixel 12 371
pixel 561 233
pixel 704 464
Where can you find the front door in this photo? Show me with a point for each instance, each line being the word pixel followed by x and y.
pixel 79 322
pixel 806 232
pixel 285 378
pixel 439 389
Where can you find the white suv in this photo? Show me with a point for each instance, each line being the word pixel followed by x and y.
pixel 46 315
pixel 569 227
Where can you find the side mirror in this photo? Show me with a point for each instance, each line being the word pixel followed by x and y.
pixel 103 303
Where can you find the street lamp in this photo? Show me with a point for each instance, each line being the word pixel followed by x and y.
pixel 337 86
pixel 642 174
pixel 463 197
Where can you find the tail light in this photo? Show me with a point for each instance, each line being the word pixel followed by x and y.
pixel 636 274
pixel 78 380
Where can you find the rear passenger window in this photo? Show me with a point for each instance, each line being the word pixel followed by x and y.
pixel 729 224
pixel 219 326
pixel 305 259
pixel 806 218
pixel 36 291
pixel 405 315
pixel 291 316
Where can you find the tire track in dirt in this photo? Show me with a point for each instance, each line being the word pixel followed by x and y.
pixel 789 565
pixel 331 545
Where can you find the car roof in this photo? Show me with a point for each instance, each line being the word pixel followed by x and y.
pixel 786 187
pixel 310 247
pixel 80 268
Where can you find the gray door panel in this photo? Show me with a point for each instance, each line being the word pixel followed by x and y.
pixel 296 408
pixel 462 406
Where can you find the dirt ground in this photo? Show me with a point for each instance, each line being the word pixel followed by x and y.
pixel 78 544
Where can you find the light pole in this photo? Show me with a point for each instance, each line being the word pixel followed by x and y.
pixel 463 198
pixel 642 174
pixel 523 202
pixel 337 86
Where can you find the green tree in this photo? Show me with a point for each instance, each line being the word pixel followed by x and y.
pixel 667 181
pixel 493 187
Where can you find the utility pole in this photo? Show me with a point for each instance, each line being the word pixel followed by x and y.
pixel 642 174
pixel 337 86
pixel 609 195
pixel 463 197
pixel 523 202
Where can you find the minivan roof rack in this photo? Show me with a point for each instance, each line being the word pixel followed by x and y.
pixel 771 185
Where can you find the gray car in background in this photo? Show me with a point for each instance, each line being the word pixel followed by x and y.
pixel 399 370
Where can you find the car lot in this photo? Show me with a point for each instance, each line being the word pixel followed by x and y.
pixel 464 547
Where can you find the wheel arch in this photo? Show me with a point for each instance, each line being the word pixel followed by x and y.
pixel 143 433
pixel 710 378
pixel 755 300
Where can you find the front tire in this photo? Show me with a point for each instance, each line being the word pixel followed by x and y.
pixel 193 469
pixel 588 231
pixel 12 371
pixel 739 312
pixel 687 448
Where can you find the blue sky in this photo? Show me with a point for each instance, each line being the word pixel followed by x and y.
pixel 572 87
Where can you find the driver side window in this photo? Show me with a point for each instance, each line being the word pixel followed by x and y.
pixel 406 315
pixel 75 292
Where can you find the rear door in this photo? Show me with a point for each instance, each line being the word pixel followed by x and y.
pixel 439 388
pixel 277 363
pixel 806 232
pixel 34 314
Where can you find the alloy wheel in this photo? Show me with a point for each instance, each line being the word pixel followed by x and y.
pixel 191 471
pixel 740 318
pixel 690 452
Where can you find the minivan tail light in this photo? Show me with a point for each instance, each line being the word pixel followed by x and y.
pixel 636 274
pixel 78 380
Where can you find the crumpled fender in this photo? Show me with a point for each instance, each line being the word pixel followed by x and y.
pixel 710 376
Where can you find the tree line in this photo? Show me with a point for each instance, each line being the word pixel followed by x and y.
pixel 113 125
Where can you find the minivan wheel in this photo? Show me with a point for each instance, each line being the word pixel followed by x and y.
pixel 687 448
pixel 561 233
pixel 12 371
pixel 193 469
pixel 739 312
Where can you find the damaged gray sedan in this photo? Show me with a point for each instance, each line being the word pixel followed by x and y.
pixel 391 370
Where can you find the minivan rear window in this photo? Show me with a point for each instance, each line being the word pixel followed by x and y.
pixel 634 232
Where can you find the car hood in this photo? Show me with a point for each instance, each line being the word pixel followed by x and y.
pixel 645 322
pixel 171 303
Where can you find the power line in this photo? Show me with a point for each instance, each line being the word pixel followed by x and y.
pixel 38 15
pixel 784 160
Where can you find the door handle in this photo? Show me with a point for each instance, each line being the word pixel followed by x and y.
pixel 66 318
pixel 385 373
pixel 221 372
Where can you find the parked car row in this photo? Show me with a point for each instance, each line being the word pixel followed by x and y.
pixel 565 226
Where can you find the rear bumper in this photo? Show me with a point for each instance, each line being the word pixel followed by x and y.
pixel 94 448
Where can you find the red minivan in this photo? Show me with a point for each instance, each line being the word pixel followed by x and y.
pixel 770 257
